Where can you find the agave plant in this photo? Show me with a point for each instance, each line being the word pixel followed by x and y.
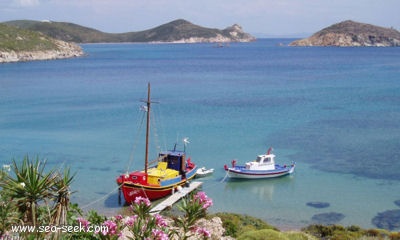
pixel 62 195
pixel 29 186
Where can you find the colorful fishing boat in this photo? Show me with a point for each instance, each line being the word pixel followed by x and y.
pixel 263 167
pixel 172 170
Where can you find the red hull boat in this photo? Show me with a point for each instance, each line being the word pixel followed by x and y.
pixel 135 184
pixel 172 171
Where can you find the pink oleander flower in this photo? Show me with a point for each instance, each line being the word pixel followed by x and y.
pixel 118 217
pixel 111 228
pixel 146 201
pixel 85 223
pixel 203 199
pixel 160 221
pixel 159 235
pixel 129 221
pixel 203 232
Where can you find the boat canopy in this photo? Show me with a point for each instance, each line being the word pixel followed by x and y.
pixel 174 158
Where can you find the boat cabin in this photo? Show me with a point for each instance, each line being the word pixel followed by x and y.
pixel 262 162
pixel 174 159
pixel 170 167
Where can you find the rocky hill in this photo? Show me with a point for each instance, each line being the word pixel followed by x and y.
pixel 175 31
pixel 24 45
pixel 68 32
pixel 350 33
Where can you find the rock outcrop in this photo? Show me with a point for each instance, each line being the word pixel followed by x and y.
pixel 215 227
pixel 230 34
pixel 352 34
pixel 64 50
pixel 237 34
pixel 18 44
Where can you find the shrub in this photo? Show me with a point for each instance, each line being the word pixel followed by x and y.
pixel 262 235
pixel 353 228
pixel 337 232
pixel 394 236
pixel 299 236
pixel 8 213
pixel 236 224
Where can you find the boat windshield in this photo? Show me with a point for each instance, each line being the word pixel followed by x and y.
pixel 262 159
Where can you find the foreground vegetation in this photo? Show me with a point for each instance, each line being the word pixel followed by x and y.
pixel 32 195
pixel 247 227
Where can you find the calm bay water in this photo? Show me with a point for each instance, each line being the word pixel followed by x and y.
pixel 335 111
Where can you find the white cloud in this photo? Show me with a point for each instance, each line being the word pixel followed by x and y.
pixel 26 3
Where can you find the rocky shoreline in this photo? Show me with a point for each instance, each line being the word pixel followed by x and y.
pixel 231 34
pixel 352 34
pixel 217 39
pixel 64 50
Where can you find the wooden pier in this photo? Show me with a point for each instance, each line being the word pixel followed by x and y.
pixel 175 197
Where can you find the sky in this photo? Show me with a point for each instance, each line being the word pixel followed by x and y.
pixel 261 18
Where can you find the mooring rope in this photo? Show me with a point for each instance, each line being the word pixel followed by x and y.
pixel 216 183
pixel 97 200
pixel 226 175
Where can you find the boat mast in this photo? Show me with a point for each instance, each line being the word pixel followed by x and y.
pixel 147 129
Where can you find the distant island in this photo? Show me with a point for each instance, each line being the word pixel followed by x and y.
pixel 178 31
pixel 26 40
pixel 24 45
pixel 352 34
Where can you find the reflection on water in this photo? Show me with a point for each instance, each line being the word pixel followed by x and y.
pixel 263 189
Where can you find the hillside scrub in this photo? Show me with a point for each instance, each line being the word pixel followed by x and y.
pixel 15 39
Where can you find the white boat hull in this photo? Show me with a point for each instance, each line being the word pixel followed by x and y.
pixel 203 172
pixel 240 172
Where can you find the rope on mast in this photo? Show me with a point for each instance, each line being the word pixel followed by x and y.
pixel 135 142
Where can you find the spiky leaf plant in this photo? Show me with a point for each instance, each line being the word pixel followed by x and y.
pixel 30 185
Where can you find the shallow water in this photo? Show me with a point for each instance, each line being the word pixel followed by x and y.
pixel 335 111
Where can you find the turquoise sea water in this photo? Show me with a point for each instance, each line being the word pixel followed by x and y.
pixel 335 111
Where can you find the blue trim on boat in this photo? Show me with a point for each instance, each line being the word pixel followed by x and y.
pixel 178 179
pixel 242 170
pixel 170 181
pixel 191 173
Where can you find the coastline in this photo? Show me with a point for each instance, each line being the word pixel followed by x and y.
pixel 64 50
